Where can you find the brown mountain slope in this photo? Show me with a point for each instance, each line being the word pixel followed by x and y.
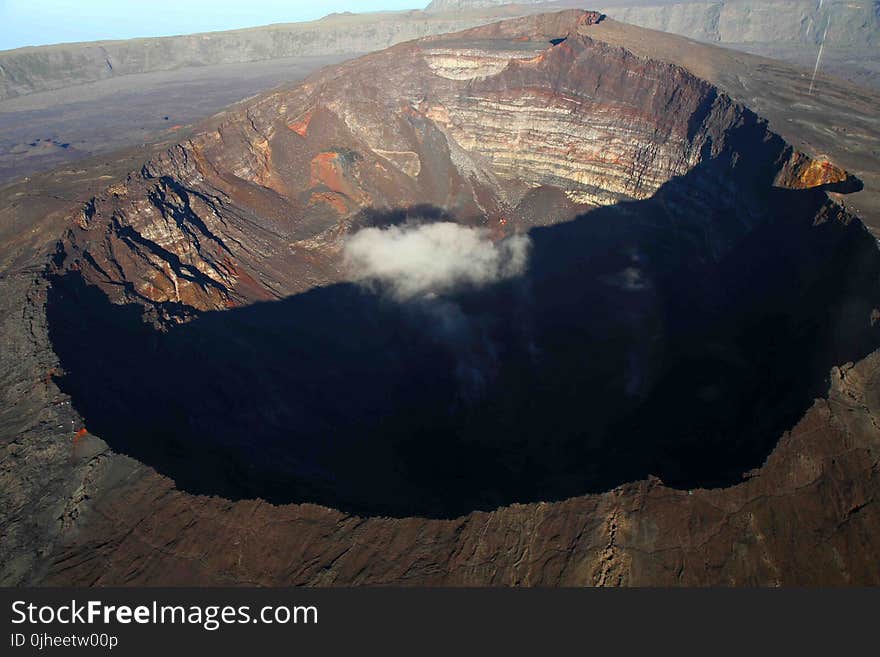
pixel 789 30
pixel 668 398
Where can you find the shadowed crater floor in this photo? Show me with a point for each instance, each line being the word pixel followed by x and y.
pixel 634 345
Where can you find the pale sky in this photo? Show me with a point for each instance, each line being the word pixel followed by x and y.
pixel 40 22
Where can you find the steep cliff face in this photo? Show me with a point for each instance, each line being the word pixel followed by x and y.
pixel 726 21
pixel 30 70
pixel 484 125
pixel 851 24
pixel 646 401
pixel 786 29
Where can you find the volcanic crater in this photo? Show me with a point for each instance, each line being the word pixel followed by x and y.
pixel 689 284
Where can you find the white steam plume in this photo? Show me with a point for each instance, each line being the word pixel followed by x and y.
pixel 425 260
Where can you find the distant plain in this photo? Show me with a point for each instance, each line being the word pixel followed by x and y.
pixel 48 129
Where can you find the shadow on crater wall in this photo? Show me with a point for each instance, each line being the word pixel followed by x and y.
pixel 677 337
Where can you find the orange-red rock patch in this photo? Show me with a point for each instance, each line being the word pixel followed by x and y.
pixel 301 127
pixel 326 171
pixel 820 172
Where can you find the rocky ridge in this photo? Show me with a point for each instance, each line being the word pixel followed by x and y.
pixel 790 30
pixel 29 70
pixel 588 119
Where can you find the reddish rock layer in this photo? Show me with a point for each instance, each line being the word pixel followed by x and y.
pixel 285 176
